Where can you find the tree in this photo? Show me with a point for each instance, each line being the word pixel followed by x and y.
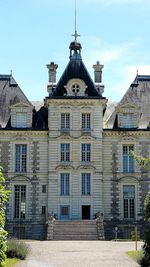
pixel 147 230
pixel 142 161
pixel 3 234
pixel 145 163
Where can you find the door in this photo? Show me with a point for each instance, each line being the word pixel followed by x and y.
pixel 85 212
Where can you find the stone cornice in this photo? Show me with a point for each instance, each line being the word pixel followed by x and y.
pixel 135 133
pixel 23 133
pixel 75 102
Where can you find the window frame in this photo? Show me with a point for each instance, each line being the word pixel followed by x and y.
pixel 86 184
pixel 128 163
pixel 65 152
pixel 21 122
pixel 64 184
pixel 20 158
pixel 86 121
pixel 66 216
pixel 130 212
pixel 86 152
pixel 19 205
pixel 65 121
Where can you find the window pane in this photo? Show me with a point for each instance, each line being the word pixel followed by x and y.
pixel 128 121
pixel 64 212
pixel 86 183
pixel 129 201
pixel 65 121
pixel 21 120
pixel 128 161
pixel 20 201
pixel 86 121
pixel 65 152
pixel 64 184
pixel 21 158
pixel 86 152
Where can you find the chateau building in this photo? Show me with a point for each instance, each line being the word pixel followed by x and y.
pixel 70 159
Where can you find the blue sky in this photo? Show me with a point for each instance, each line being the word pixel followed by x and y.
pixel 35 32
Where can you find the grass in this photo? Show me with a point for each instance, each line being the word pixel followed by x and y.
pixel 11 262
pixel 135 254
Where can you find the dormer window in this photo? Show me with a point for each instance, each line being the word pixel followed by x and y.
pixel 21 115
pixel 127 121
pixel 75 88
pixel 21 120
pixel 128 116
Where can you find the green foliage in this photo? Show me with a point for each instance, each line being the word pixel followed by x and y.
pixel 136 255
pixel 11 262
pixel 145 163
pixel 147 207
pixel 17 249
pixel 142 161
pixel 3 234
pixel 146 246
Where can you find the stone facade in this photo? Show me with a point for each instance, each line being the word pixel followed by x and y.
pixel 98 177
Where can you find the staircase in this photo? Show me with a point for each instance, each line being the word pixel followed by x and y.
pixel 75 230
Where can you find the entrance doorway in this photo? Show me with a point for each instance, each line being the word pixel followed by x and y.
pixel 85 212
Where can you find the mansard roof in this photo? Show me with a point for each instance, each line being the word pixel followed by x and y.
pixel 75 70
pixel 10 93
pixel 137 95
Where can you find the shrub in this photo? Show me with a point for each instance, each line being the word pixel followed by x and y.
pixel 141 259
pixel 17 249
pixel 3 234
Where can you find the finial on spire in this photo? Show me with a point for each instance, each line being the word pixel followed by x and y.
pixel 137 72
pixel 11 72
pixel 75 33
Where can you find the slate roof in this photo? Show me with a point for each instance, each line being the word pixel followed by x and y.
pixel 138 94
pixel 10 93
pixel 75 69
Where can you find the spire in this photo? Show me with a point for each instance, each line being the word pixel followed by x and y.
pixel 76 35
pixel 75 46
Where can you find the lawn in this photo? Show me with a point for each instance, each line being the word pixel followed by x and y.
pixel 11 262
pixel 135 255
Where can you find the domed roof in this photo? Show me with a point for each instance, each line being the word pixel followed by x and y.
pixel 75 46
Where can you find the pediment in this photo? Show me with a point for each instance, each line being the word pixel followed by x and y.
pixel 20 178
pixel 21 105
pixel 128 179
pixel 128 108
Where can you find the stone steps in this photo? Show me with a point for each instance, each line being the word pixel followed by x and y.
pixel 75 230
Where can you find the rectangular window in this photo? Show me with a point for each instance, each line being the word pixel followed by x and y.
pixel 65 121
pixel 129 201
pixel 64 184
pixel 20 158
pixel 65 152
pixel 64 212
pixel 86 152
pixel 21 120
pixel 86 121
pixel 19 201
pixel 86 184
pixel 44 188
pixel 128 121
pixel 128 161
pixel 43 210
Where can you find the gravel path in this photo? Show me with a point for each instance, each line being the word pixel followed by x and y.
pixel 79 254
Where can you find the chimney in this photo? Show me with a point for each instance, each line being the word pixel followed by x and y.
pixel 98 72
pixel 52 72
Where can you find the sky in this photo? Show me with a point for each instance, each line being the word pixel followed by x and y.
pixel 36 32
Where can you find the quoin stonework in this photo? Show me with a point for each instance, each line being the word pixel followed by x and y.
pixel 68 162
